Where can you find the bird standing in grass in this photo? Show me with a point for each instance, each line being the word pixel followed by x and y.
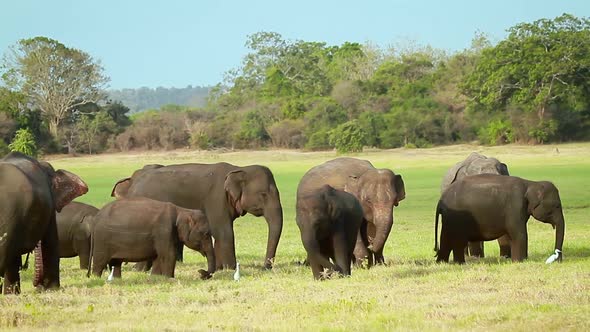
pixel 237 273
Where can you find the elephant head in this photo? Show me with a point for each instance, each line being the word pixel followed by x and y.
pixel 544 204
pixel 252 189
pixel 121 188
pixel 474 164
pixel 193 231
pixel 378 191
pixel 65 186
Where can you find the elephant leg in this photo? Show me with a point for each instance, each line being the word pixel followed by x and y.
pixel 379 259
pixel 361 251
pixel 12 276
pixel 50 251
pixel 84 254
pixel 476 249
pixel 341 252
pixel 315 253
pixel 316 268
pixel 166 257
pixel 458 248
pixel 504 243
pixel 225 252
pixel 116 264
pixel 99 263
pixel 444 251
pixel 519 245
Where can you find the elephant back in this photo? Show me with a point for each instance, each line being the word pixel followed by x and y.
pixel 335 173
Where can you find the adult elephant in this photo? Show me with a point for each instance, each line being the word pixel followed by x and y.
pixel 223 191
pixel 486 206
pixel 475 164
pixel 74 224
pixel 30 194
pixel 378 191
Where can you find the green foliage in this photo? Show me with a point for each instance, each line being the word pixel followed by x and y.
pixel 24 142
pixel 4 149
pixel 319 140
pixel 544 131
pixel 497 132
pixel 347 137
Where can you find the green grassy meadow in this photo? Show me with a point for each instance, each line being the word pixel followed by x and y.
pixel 411 292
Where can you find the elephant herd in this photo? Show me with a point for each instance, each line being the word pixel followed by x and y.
pixel 344 211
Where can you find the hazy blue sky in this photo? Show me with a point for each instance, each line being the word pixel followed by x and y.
pixel 177 43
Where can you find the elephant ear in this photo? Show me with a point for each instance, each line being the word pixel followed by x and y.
pixel 534 196
pixel 400 189
pixel 233 185
pixel 66 186
pixel 121 187
pixel 502 169
pixel 352 185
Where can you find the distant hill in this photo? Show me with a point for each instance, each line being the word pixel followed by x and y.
pixel 147 98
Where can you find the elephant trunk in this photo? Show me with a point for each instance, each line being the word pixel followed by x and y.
pixel 559 224
pixel 37 280
pixel 383 223
pixel 274 219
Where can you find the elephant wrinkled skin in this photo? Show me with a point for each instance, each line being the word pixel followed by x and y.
pixel 138 229
pixel 222 191
pixel 74 224
pixel 487 206
pixel 475 164
pixel 329 221
pixel 31 192
pixel 377 190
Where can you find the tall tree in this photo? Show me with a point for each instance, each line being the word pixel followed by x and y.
pixel 540 65
pixel 54 77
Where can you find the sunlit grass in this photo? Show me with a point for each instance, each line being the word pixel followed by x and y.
pixel 412 292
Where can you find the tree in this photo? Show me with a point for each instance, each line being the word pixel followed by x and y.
pixel 54 77
pixel 542 68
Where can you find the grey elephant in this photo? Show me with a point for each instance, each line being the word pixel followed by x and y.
pixel 329 222
pixel 31 192
pixel 222 191
pixel 474 164
pixel 487 206
pixel 139 229
pixel 74 224
pixel 377 190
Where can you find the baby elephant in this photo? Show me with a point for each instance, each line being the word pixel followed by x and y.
pixel 139 229
pixel 74 224
pixel 329 221
pixel 486 206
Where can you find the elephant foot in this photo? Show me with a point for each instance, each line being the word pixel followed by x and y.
pixel 8 288
pixel 205 275
pixel 268 263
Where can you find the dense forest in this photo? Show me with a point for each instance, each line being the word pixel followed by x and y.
pixel 146 98
pixel 532 87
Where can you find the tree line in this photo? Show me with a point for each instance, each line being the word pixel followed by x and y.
pixel 531 87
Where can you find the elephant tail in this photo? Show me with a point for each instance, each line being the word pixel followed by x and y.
pixel 90 254
pixel 436 214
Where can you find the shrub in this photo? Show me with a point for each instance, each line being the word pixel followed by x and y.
pixel 24 142
pixel 347 137
pixel 496 132
pixel 319 141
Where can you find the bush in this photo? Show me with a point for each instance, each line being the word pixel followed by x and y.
pixel 287 133
pixel 497 132
pixel 319 141
pixel 347 137
pixel 24 142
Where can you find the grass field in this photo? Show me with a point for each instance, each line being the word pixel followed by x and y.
pixel 411 293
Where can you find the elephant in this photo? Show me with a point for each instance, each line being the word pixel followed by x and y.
pixel 31 192
pixel 478 164
pixel 139 228
pixel 329 222
pixel 487 206
pixel 222 191
pixel 377 190
pixel 74 224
